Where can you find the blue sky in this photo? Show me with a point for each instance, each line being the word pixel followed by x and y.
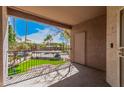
pixel 36 31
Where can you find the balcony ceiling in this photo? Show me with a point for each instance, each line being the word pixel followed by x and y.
pixel 70 15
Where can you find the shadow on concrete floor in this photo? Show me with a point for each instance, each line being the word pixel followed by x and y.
pixel 87 77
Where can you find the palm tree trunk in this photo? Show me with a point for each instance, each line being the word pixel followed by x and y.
pixel 26 30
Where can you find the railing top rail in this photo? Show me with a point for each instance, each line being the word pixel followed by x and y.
pixel 37 51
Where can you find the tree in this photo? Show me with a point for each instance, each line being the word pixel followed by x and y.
pixel 48 39
pixel 65 35
pixel 23 46
pixel 12 36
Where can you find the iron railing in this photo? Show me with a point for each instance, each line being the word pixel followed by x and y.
pixel 23 65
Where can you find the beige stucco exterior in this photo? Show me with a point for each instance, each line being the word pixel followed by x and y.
pixel 1 57
pixel 113 29
pixel 95 30
pixel 71 15
pixel 3 44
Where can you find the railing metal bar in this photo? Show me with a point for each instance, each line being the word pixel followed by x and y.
pixel 30 67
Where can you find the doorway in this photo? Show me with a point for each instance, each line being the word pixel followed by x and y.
pixel 80 48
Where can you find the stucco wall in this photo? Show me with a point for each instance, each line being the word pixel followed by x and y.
pixel 95 30
pixel 1 57
pixel 113 28
pixel 3 44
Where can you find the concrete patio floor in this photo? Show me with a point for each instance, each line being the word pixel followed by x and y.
pixel 87 77
pixel 80 76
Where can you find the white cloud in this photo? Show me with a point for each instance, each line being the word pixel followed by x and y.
pixel 39 36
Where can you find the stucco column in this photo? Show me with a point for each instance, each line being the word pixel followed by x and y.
pixel 3 45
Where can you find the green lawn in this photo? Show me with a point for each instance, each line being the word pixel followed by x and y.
pixel 25 66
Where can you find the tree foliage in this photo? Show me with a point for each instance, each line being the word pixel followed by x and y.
pixel 11 38
pixel 12 35
pixel 65 35
pixel 48 39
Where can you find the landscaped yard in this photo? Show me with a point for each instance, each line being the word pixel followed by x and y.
pixel 25 66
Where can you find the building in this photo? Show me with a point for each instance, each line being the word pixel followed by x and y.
pixel 96 41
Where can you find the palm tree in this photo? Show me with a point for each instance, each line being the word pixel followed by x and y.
pixel 26 31
pixel 64 34
pixel 48 39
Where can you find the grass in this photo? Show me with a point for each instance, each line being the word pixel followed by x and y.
pixel 25 66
